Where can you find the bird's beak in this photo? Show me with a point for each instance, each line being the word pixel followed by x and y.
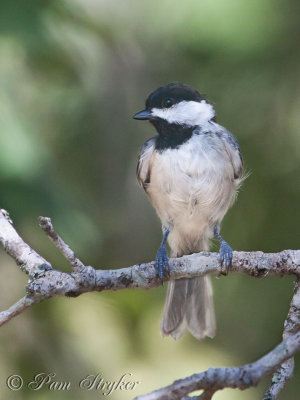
pixel 145 114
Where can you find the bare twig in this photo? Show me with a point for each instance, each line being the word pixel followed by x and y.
pixel 207 394
pixel 237 377
pixel 14 245
pixel 16 309
pixel 292 324
pixel 46 225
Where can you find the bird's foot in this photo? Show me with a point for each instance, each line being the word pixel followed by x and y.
pixel 161 262
pixel 225 257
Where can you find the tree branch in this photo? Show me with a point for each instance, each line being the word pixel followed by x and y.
pixel 14 245
pixel 291 325
pixel 46 284
pixel 236 377
pixel 46 225
pixel 16 309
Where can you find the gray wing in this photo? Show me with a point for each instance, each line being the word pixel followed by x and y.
pixel 143 169
pixel 233 149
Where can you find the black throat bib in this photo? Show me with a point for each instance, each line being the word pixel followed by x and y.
pixel 171 136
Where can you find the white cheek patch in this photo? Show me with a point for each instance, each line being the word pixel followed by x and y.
pixel 190 113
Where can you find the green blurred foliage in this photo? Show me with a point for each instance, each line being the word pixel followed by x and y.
pixel 71 76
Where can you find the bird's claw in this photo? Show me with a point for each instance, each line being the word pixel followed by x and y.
pixel 161 262
pixel 225 257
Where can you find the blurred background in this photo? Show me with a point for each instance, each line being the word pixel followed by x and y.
pixel 72 73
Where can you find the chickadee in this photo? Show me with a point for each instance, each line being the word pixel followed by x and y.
pixel 191 172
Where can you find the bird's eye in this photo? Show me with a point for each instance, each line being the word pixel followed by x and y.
pixel 168 103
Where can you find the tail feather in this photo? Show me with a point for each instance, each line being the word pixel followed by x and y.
pixel 200 314
pixel 189 305
pixel 189 301
pixel 173 320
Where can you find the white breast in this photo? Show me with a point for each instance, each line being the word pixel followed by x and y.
pixel 191 188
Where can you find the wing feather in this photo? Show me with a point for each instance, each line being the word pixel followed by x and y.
pixel 143 169
pixel 232 148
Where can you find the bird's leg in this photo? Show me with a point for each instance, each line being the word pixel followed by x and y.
pixel 161 261
pixel 225 251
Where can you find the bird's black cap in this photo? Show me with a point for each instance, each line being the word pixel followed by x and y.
pixel 166 96
pixel 176 92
